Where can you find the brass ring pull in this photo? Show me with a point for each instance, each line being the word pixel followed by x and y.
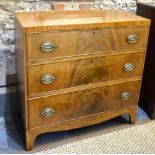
pixel 125 95
pixel 47 79
pixel 132 38
pixel 48 112
pixel 129 67
pixel 47 46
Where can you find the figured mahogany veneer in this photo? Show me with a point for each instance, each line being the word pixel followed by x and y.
pixel 73 73
pixel 80 42
pixel 81 103
pixel 77 68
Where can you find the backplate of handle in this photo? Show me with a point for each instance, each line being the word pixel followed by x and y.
pixel 47 46
pixel 125 95
pixel 47 78
pixel 48 112
pixel 132 38
pixel 129 67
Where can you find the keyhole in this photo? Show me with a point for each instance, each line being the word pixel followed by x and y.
pixel 93 32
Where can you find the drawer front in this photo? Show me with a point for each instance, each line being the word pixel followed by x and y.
pixel 69 43
pixel 69 106
pixel 48 77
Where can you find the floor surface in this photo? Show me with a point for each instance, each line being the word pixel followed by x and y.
pixel 12 142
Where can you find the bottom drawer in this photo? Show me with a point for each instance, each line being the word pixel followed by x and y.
pixel 57 108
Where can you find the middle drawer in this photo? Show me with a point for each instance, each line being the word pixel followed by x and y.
pixel 65 74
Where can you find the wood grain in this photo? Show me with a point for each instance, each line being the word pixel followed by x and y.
pixel 73 20
pixel 80 57
pixel 83 72
pixel 84 42
pixel 82 87
pixel 81 103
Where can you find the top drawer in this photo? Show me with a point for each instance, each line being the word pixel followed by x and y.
pixel 69 43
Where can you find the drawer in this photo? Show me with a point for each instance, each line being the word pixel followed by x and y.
pixel 57 108
pixel 48 77
pixel 50 45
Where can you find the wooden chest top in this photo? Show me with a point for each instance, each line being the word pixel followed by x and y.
pixel 71 20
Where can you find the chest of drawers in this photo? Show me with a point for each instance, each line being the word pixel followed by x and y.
pixel 77 68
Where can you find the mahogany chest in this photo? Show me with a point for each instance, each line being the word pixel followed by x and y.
pixel 78 68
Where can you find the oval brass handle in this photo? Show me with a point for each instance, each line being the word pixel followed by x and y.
pixel 48 112
pixel 132 38
pixel 47 46
pixel 125 95
pixel 129 67
pixel 47 79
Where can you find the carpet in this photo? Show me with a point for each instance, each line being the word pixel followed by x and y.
pixel 3 136
pixel 135 139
